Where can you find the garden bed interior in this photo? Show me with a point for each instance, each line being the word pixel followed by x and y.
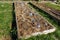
pixel 29 22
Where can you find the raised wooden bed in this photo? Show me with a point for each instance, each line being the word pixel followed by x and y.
pixel 29 22
pixel 47 9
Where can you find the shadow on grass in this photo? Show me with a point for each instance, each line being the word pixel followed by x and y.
pixel 14 26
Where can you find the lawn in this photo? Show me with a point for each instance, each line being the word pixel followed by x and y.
pixel 51 36
pixel 57 7
pixel 5 20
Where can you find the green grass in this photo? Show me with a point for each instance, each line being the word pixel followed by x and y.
pixel 57 7
pixel 5 6
pixel 50 36
pixel 5 19
pixel 42 37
